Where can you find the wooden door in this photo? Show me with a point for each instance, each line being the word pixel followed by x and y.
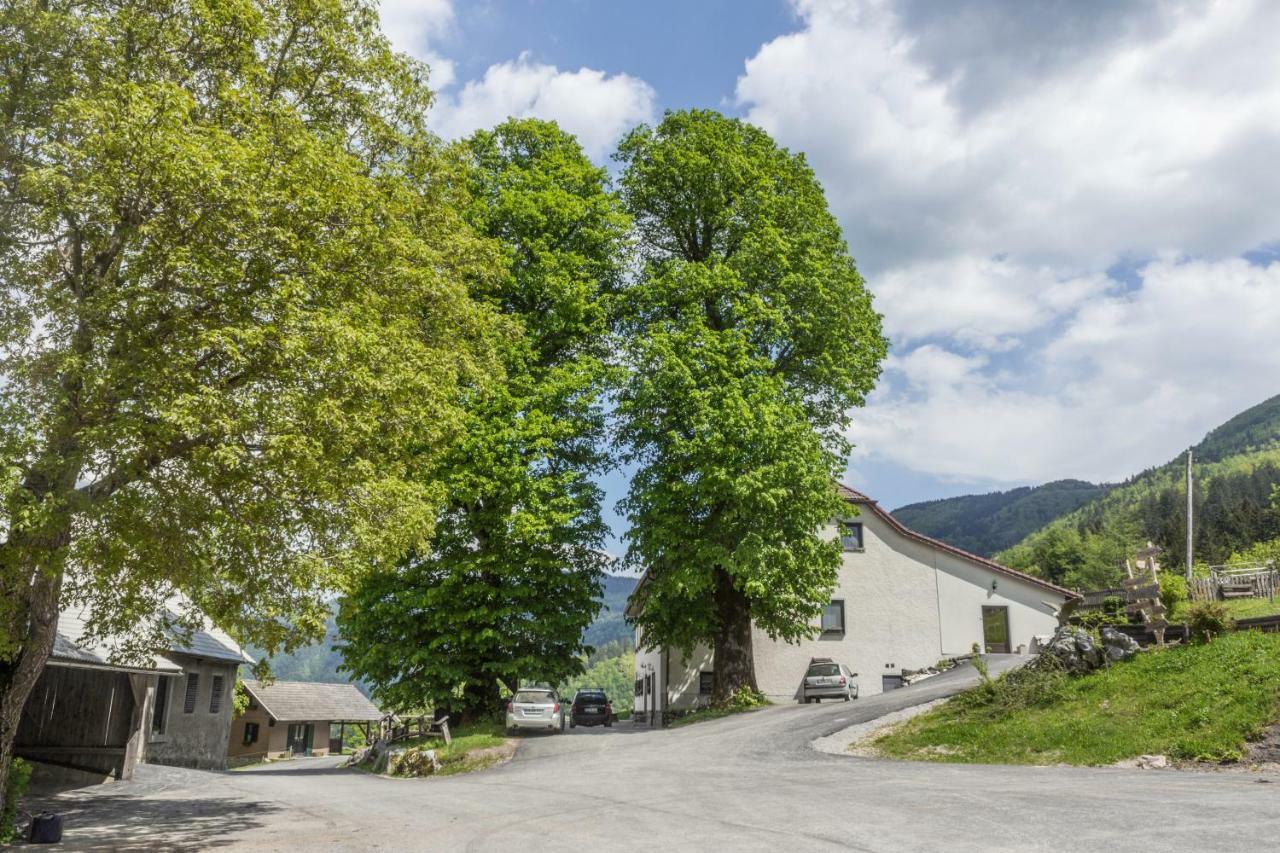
pixel 995 630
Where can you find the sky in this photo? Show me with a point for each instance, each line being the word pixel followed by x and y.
pixel 1066 211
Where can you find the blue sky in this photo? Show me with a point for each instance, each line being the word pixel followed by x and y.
pixel 1066 211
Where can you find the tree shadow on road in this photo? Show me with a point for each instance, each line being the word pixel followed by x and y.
pixel 124 822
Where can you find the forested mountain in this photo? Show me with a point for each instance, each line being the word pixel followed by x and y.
pixel 1237 468
pixel 609 633
pixel 985 524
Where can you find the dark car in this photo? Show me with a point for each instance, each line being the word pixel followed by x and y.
pixel 591 707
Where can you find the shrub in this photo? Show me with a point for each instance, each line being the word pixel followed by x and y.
pixel 1034 685
pixel 19 776
pixel 1209 619
pixel 1173 591
pixel 745 698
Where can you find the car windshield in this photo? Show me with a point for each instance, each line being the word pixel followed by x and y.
pixel 533 697
pixel 824 669
pixel 592 695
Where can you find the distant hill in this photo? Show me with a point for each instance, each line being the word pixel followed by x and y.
pixel 319 662
pixel 985 524
pixel 1237 468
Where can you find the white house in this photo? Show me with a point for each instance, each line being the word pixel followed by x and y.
pixel 902 601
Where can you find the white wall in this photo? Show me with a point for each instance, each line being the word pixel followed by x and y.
pixel 907 604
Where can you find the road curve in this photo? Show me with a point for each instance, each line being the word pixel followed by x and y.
pixel 750 782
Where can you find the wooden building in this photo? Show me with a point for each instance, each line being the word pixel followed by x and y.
pixel 91 718
pixel 287 718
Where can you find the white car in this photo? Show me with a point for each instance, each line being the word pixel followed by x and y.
pixel 535 708
pixel 826 679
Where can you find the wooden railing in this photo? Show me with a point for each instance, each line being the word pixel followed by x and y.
pixel 393 728
pixel 1236 582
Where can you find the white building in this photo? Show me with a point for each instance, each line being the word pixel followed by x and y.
pixel 902 601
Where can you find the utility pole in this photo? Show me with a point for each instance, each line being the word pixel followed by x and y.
pixel 1189 504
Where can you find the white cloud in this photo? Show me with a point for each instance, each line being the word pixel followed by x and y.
pixel 412 26
pixel 1131 380
pixel 1160 140
pixel 596 107
pixel 981 302
pixel 990 163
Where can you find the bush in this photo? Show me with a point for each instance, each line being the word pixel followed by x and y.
pixel 1173 592
pixel 745 698
pixel 1031 686
pixel 1209 619
pixel 19 776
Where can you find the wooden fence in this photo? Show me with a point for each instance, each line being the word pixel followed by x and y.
pixel 1226 583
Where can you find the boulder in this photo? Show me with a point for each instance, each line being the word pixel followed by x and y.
pixel 413 762
pixel 1078 652
pixel 1117 645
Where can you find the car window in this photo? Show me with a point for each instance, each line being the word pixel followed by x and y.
pixel 824 669
pixel 527 697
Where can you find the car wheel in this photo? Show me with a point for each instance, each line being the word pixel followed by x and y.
pixel 847 697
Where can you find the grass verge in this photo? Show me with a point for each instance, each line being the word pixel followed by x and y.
pixel 744 701
pixel 474 747
pixel 1239 608
pixel 1201 702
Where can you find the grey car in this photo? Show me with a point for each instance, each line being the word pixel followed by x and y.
pixel 826 679
pixel 535 708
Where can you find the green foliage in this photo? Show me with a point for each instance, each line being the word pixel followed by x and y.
pixel 985 524
pixel 1209 619
pixel 239 699
pixel 19 777
pixel 748 337
pixel 1237 468
pixel 616 675
pixel 1173 592
pixel 512 576
pixel 1036 684
pixel 1188 702
pixel 242 251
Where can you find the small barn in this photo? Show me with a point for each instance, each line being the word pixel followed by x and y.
pixel 288 718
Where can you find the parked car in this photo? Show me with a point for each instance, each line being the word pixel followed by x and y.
pixel 535 708
pixel 591 707
pixel 826 679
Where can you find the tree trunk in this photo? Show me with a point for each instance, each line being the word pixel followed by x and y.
pixel 735 665
pixel 18 677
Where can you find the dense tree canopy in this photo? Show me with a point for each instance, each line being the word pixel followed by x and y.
pixel 513 574
pixel 748 337
pixel 234 317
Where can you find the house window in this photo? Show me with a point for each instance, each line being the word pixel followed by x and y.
pixel 639 687
pixel 215 695
pixel 851 535
pixel 706 683
pixel 160 714
pixel 833 618
pixel 250 733
pixel 193 693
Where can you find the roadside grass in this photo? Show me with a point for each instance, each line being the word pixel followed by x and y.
pixel 742 702
pixel 1199 702
pixel 474 747
pixel 1239 608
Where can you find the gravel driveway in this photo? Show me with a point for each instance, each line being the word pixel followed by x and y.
pixel 750 782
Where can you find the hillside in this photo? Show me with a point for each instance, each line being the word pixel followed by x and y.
pixel 319 662
pixel 985 524
pixel 1237 467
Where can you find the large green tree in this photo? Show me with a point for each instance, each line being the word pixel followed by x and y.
pixel 234 317
pixel 513 574
pixel 750 336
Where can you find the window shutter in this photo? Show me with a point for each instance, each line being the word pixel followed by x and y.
pixel 193 692
pixel 215 697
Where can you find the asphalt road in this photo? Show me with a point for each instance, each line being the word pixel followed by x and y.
pixel 750 782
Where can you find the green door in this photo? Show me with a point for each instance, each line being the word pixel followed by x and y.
pixel 995 629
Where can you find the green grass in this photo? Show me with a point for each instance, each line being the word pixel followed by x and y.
pixel 461 756
pixel 1239 608
pixel 1189 702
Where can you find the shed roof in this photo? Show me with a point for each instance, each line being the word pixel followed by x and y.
pixel 291 701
